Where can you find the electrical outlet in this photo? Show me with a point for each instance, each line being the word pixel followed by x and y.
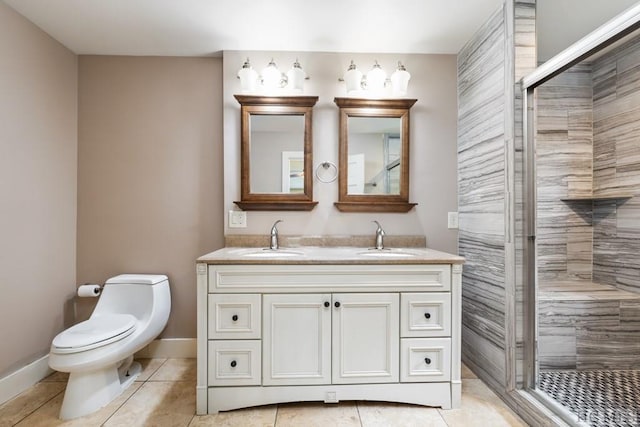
pixel 237 219
pixel 452 220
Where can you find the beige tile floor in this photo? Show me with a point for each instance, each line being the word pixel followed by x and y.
pixel 164 395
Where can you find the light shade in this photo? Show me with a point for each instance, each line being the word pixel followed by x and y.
pixel 248 77
pixel 271 76
pixel 353 79
pixel 400 80
pixel 376 79
pixel 296 77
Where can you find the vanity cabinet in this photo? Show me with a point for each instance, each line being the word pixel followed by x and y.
pixel 270 333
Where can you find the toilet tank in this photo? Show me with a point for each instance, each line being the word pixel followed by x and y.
pixel 138 294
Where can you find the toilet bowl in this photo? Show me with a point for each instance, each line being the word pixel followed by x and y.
pixel 98 353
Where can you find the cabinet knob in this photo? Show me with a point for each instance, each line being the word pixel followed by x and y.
pixel 427 315
pixel 233 363
pixel 327 304
pixel 337 304
pixel 427 361
pixel 234 317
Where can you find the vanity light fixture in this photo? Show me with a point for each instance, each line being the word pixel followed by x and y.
pixel 375 83
pixel 271 79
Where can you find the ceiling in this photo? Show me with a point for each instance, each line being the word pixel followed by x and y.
pixel 207 27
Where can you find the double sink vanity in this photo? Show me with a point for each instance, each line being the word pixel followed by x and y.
pixel 328 324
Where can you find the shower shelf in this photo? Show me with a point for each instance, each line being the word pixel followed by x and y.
pixel 595 198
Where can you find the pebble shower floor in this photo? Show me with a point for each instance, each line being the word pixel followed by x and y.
pixel 598 397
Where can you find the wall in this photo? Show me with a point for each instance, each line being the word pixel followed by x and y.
pixel 38 149
pixel 616 165
pixel 150 172
pixel 433 146
pixel 481 175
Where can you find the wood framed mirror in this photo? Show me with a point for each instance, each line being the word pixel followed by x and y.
pixel 276 150
pixel 374 155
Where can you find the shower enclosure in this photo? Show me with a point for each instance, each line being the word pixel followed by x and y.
pixel 582 128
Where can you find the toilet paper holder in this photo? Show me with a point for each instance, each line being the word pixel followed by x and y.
pixel 89 290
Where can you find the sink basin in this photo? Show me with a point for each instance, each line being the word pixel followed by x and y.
pixel 386 253
pixel 267 253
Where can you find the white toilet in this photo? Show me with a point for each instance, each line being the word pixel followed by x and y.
pixel 98 353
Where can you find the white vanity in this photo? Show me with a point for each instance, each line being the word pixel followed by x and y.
pixel 328 324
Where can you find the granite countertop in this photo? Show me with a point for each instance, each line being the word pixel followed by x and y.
pixel 329 255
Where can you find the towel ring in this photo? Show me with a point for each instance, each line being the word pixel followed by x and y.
pixel 326 166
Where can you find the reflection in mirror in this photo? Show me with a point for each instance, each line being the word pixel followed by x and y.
pixel 374 155
pixel 277 146
pixel 276 152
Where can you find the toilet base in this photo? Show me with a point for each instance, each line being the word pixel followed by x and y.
pixel 89 391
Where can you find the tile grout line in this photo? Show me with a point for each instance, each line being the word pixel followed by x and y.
pixel 358 411
pixel 44 403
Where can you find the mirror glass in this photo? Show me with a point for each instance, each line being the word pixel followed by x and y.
pixel 374 155
pixel 277 153
pixel 375 151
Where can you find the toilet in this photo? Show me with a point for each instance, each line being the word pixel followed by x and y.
pixel 98 353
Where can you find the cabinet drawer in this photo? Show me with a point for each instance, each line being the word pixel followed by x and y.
pixel 234 316
pixel 425 314
pixel 425 359
pixel 234 363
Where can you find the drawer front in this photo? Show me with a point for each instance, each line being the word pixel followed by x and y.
pixel 329 278
pixel 425 359
pixel 234 316
pixel 425 314
pixel 234 363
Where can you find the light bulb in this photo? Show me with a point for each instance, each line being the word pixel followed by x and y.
pixel 376 79
pixel 296 77
pixel 248 77
pixel 271 76
pixel 400 80
pixel 353 79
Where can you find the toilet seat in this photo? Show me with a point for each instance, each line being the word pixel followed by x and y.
pixel 95 332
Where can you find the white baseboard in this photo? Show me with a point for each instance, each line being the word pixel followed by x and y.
pixel 25 377
pixel 180 348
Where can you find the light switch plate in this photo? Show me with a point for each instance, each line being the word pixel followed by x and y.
pixel 237 219
pixel 452 220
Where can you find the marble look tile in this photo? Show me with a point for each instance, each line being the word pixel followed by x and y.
pixel 149 367
pixel 157 403
pixel 262 416
pixel 47 415
pixel 27 402
pixel 480 407
pixel 383 414
pixel 313 414
pixel 176 370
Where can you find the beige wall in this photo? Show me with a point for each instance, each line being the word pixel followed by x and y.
pixel 38 149
pixel 150 172
pixel 433 168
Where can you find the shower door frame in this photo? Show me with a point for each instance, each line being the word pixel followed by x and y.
pixel 604 36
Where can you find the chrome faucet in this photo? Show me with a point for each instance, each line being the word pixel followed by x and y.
pixel 379 237
pixel 273 242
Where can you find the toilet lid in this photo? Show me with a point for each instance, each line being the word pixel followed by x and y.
pixel 96 331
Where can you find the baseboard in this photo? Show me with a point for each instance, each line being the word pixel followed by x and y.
pixel 25 377
pixel 181 348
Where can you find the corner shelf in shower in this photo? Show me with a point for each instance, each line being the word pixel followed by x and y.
pixel 596 198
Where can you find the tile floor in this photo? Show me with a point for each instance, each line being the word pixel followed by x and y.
pixel 164 395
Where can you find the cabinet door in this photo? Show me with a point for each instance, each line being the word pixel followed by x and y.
pixel 365 338
pixel 297 339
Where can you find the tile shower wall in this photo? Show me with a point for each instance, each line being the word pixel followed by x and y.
pixel 616 166
pixel 564 148
pixel 481 176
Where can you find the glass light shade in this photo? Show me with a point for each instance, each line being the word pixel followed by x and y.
pixel 353 79
pixel 400 80
pixel 271 76
pixel 248 77
pixel 375 79
pixel 296 77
